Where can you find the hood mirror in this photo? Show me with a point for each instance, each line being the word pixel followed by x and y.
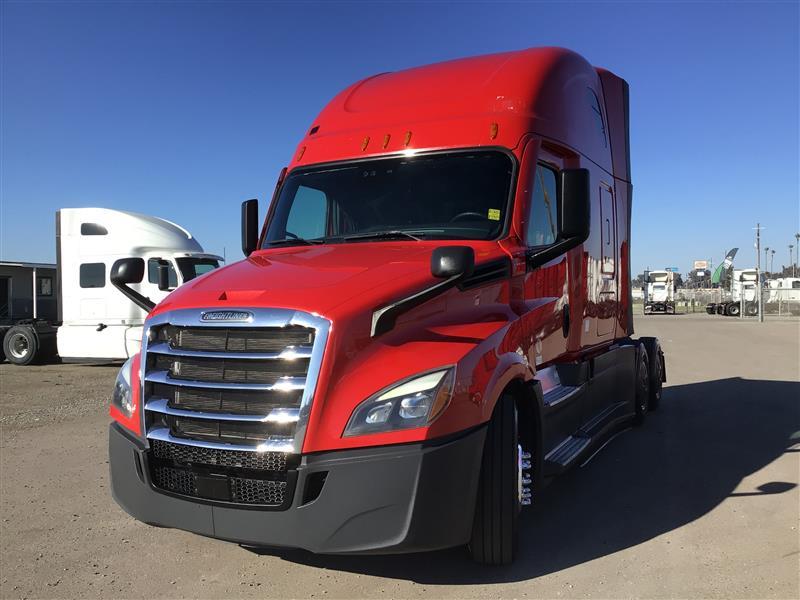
pixel 452 261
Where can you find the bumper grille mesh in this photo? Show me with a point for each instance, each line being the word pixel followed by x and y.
pixel 242 490
pixel 197 455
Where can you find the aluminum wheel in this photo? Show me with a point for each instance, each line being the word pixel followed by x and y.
pixel 18 346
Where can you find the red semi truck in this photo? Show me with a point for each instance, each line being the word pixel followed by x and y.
pixel 434 320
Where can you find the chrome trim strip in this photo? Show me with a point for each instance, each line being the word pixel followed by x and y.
pixel 262 317
pixel 289 353
pixel 271 445
pixel 283 384
pixel 276 415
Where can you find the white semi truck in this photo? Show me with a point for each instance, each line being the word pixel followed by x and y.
pixel 96 321
pixel 660 292
pixel 744 287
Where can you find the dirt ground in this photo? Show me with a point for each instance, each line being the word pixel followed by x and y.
pixel 700 502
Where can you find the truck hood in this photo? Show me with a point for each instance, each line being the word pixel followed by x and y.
pixel 318 279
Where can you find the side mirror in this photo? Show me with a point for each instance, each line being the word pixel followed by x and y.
pixel 249 226
pixel 127 270
pixel 574 211
pixel 452 261
pixel 163 276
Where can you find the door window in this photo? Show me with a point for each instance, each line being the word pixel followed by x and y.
pixel 542 216
pixel 152 272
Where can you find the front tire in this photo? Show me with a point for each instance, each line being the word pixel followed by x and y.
pixel 495 530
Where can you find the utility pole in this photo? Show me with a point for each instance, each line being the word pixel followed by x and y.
pixel 759 290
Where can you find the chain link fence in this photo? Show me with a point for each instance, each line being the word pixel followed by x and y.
pixel 776 302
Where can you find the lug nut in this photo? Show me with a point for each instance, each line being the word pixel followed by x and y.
pixel 525 502
pixel 526 480
pixel 526 464
pixel 526 455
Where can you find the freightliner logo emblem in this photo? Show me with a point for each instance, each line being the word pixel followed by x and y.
pixel 226 315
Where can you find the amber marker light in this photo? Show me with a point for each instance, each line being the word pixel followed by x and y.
pixel 365 143
pixel 300 154
pixel 493 130
pixel 386 139
pixel 407 140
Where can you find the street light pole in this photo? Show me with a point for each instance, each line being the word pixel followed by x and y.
pixel 759 290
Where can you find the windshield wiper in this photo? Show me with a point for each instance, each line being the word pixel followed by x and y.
pixel 381 235
pixel 291 240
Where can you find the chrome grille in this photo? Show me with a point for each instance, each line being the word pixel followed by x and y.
pixel 218 391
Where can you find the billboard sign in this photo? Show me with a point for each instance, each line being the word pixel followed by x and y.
pixel 700 264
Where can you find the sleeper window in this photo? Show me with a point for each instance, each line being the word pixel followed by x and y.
pixel 93 275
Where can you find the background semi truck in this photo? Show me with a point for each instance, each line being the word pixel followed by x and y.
pixel 90 319
pixel 660 292
pixel 743 295
pixel 434 320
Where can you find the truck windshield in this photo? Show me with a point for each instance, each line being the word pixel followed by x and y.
pixel 462 195
pixel 194 267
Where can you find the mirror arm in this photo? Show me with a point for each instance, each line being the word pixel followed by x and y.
pixel 536 258
pixel 384 319
pixel 135 297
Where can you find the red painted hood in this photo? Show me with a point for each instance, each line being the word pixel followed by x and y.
pixel 318 279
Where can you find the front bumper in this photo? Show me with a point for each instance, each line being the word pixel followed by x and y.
pixel 389 499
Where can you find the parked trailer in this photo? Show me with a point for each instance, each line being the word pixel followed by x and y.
pixel 660 297
pixel 436 319
pixel 82 315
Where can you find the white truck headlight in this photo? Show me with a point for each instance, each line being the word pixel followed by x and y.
pixel 122 396
pixel 410 403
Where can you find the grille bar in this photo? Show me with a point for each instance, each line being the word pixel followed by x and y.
pixel 283 384
pixel 288 353
pixel 272 444
pixel 276 415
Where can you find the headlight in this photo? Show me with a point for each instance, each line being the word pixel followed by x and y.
pixel 411 403
pixel 122 397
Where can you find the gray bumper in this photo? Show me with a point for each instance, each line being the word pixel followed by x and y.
pixel 390 499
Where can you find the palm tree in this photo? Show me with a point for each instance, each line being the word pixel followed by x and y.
pixel 772 260
pixel 791 259
pixel 766 259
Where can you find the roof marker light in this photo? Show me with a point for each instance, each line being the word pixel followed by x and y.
pixel 407 141
pixel 365 143
pixel 300 154
pixel 493 130
pixel 386 139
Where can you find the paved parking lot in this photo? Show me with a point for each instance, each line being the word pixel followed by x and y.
pixel 701 502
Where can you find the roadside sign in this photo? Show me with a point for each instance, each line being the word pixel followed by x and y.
pixel 700 264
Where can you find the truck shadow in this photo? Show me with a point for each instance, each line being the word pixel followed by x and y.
pixel 689 457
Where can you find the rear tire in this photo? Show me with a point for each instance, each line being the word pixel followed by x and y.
pixel 495 530
pixel 20 345
pixel 733 310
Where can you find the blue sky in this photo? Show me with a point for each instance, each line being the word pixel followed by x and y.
pixel 183 109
